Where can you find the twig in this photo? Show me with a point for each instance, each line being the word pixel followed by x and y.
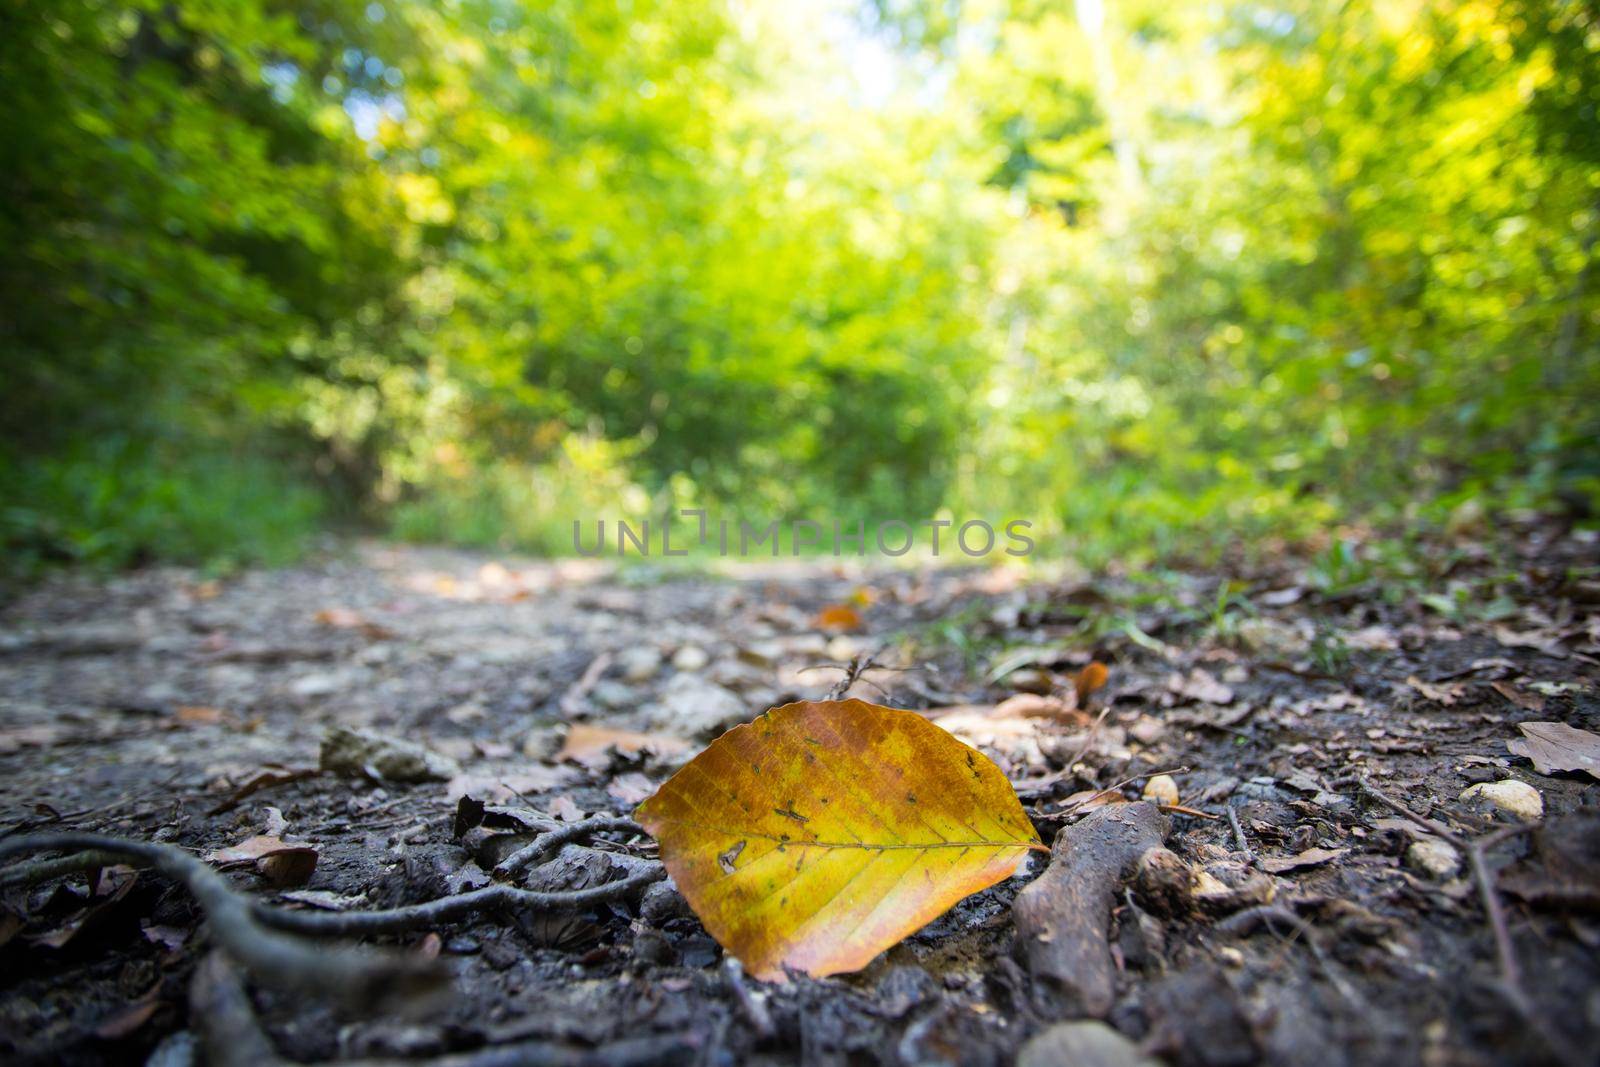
pixel 1088 739
pixel 572 701
pixel 397 920
pixel 853 670
pixel 754 1010
pixel 280 960
pixel 547 844
pixel 1238 832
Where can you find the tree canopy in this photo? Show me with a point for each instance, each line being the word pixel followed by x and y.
pixel 1151 275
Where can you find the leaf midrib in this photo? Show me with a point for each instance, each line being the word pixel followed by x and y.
pixel 867 846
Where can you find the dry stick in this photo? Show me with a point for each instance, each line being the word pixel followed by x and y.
pixel 547 844
pixel 283 961
pixel 397 920
pixel 1238 832
pixel 853 670
pixel 754 1010
pixel 1088 740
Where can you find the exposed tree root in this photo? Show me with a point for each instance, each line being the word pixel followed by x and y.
pixel 250 930
pixel 1064 916
pixel 289 962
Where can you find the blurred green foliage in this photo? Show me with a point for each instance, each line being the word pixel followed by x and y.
pixel 1158 276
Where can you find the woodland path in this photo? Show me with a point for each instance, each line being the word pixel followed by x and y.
pixel 165 706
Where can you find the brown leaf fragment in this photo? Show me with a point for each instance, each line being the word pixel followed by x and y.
pixel 631 788
pixel 126 1021
pixel 1446 694
pixel 1088 680
pixel 593 746
pixel 1555 746
pixel 270 775
pixel 276 860
pixel 1200 685
pixel 1522 698
pixel 1311 857
pixel 347 619
pixel 566 809
pixel 838 618
pixel 33 735
pixel 192 714
pixel 109 890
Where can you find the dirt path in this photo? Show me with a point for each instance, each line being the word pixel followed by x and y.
pixel 162 706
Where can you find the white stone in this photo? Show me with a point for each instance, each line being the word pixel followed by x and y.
pixel 639 663
pixel 690 658
pixel 1510 796
pixel 1161 789
pixel 1434 858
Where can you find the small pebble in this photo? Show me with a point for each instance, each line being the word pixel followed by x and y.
pixel 1510 796
pixel 691 658
pixel 1434 858
pixel 1161 790
pixel 1086 1043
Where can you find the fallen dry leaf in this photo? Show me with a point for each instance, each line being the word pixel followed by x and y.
pixel 278 861
pixel 502 788
pixel 1522 698
pixel 593 745
pixel 1446 694
pixel 631 788
pixel 270 775
pixel 566 809
pixel 1311 857
pixel 1088 680
pixel 193 714
pixel 346 619
pixel 825 832
pixel 1202 686
pixel 1555 746
pixel 838 618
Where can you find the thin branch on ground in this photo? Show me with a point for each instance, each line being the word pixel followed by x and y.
pixel 550 842
pixel 433 912
pixel 1088 739
pixel 1238 833
pixel 853 671
pixel 284 961
pixel 241 924
pixel 754 1010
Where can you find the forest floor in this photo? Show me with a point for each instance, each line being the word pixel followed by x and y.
pixel 1298 709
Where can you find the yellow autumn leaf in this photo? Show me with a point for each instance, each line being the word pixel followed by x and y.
pixel 824 832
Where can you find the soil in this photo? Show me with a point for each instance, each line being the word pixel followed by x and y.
pixel 163 705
